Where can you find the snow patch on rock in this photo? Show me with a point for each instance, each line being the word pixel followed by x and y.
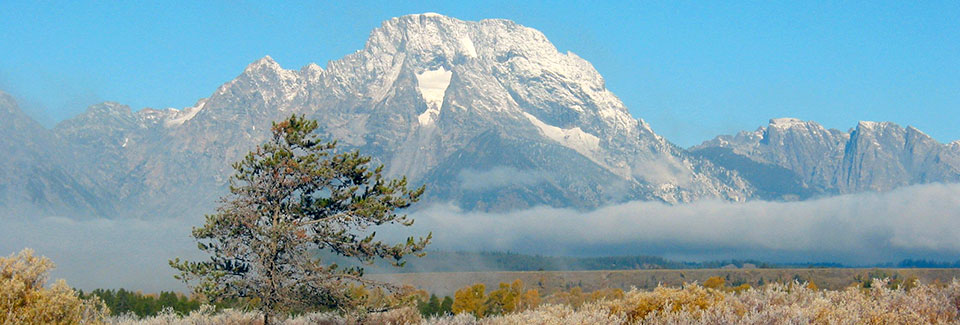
pixel 186 114
pixel 869 125
pixel 955 146
pixel 573 138
pixel 432 85
pixel 467 44
pixel 786 122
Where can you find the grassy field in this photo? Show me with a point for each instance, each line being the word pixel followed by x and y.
pixel 547 282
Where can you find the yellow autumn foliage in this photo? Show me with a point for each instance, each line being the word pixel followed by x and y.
pixel 471 300
pixel 25 300
pixel 576 297
pixel 510 298
pixel 637 305
pixel 715 282
pixel 773 303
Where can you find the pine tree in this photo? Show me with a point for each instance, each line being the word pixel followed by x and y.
pixel 446 306
pixel 289 199
pixel 431 307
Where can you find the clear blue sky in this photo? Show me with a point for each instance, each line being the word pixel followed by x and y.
pixel 691 69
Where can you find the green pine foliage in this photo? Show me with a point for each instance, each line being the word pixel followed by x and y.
pixel 122 301
pixel 291 197
pixel 435 307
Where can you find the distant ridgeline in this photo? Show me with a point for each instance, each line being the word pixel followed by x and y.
pixel 506 261
pixel 439 261
pixel 925 264
pixel 488 114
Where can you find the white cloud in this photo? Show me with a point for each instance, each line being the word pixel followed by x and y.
pixel 918 221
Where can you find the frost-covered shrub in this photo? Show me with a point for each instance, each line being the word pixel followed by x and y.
pixel 561 314
pixel 794 303
pixel 400 316
pixel 25 300
pixel 637 304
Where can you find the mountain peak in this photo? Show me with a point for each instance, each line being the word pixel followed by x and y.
pixel 867 124
pixel 871 125
pixel 786 122
pixel 100 114
pixel 6 100
pixel 269 79
pixel 109 108
pixel 9 109
pixel 955 145
pixel 430 36
pixel 916 132
pixel 521 60
pixel 265 63
pixel 424 16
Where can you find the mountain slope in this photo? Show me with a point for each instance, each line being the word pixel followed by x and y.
pixel 440 100
pixel 488 114
pixel 35 174
pixel 874 156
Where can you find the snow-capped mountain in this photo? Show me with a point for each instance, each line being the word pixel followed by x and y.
pixel 487 113
pixel 874 156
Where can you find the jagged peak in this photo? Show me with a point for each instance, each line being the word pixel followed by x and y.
pixel 265 71
pixel 6 97
pixel 8 104
pixel 113 108
pixel 436 17
pixel 428 33
pixel 421 16
pixel 105 112
pixel 431 34
pixel 265 63
pixel 311 68
pixel 871 125
pixel 786 122
pixel 911 129
pixel 185 114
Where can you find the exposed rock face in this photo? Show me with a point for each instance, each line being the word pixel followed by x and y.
pixel 35 174
pixel 488 114
pixel 882 156
pixel 875 156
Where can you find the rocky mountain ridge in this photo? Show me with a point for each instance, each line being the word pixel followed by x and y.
pixel 873 156
pixel 488 114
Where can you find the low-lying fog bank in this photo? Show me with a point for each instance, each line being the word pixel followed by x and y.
pixel 912 222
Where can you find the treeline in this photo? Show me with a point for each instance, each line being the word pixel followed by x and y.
pixel 122 301
pixel 713 301
pixel 925 264
pixel 437 261
pixel 434 306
